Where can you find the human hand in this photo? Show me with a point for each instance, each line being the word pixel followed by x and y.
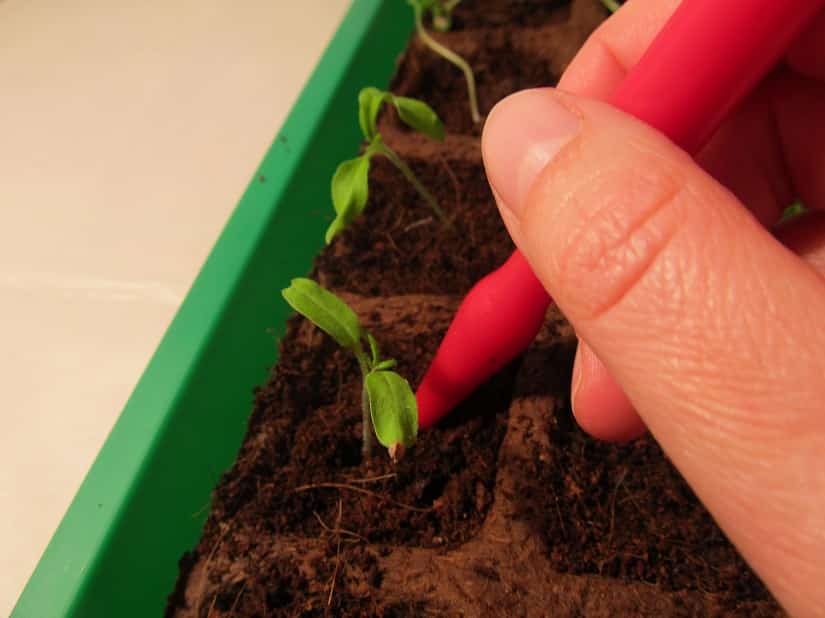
pixel 695 321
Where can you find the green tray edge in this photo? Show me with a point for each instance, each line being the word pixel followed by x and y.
pixel 145 499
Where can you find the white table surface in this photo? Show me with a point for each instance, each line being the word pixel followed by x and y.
pixel 128 131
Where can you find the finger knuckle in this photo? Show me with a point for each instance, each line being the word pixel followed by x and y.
pixel 622 242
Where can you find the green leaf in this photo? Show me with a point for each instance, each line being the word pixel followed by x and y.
pixel 350 191
pixel 326 311
pixel 419 116
pixel 388 363
pixel 335 228
pixel 413 113
pixel 393 408
pixel 376 354
pixel 349 185
pixel 794 210
pixel 369 104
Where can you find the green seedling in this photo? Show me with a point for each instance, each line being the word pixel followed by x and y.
pixel 793 211
pixel 388 405
pixel 611 5
pixel 350 182
pixel 442 13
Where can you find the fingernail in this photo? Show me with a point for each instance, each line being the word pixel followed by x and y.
pixel 522 135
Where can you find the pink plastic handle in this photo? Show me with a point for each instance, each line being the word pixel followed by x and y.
pixel 705 60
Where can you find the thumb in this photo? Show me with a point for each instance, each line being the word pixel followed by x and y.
pixel 711 327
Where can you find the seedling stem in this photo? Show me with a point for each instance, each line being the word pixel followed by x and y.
pixel 366 429
pixel 448 55
pixel 388 152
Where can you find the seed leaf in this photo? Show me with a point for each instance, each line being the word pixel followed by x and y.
pixel 349 193
pixel 326 311
pixel 393 408
pixel 369 104
pixel 792 211
pixel 374 351
pixel 419 116
pixel 385 364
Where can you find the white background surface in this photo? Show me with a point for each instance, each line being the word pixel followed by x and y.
pixel 128 131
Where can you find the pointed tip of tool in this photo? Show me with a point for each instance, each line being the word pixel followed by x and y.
pixel 496 321
pixel 432 406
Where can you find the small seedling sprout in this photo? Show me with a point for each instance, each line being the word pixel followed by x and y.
pixel 793 211
pixel 388 405
pixel 442 13
pixel 611 5
pixel 350 181
pixel 442 16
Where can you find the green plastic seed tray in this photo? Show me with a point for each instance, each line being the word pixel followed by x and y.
pixel 146 497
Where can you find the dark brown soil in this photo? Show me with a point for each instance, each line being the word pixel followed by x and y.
pixel 507 508
pixel 401 236
pixel 307 427
pixel 507 54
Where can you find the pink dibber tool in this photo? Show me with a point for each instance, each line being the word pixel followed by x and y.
pixel 705 60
